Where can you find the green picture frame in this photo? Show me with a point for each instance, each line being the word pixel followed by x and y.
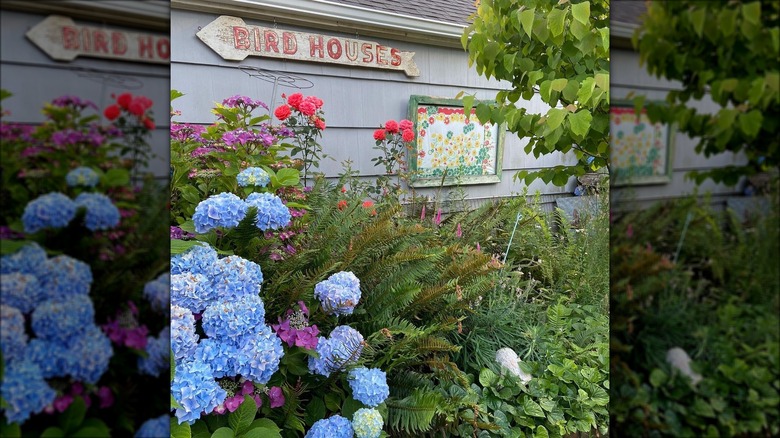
pixel 450 148
pixel 641 152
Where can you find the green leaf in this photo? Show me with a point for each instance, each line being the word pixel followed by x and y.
pixel 560 179
pixel 265 423
pixel 73 416
pixel 116 178
pixel 11 246
pixel 12 430
pixel 175 94
pixel 580 122
pixel 179 246
pixel 468 102
pixel 223 432
pixel 490 51
pixel 541 432
pixel 350 406
pixel 534 76
pixel 559 84
pixel 750 123
pixel 483 112
pixel 241 418
pixel 555 117
pixel 702 408
pixel 570 91
pixel 487 378
pixel 532 408
pixel 586 90
pixel 579 30
pixel 180 430
pixel 752 12
pixel 527 20
pixel 602 80
pixel 555 21
pixel 697 19
pixel 581 12
pixel 544 90
pixel 53 432
pixel 262 432
pixel 657 377
pixel 726 21
pixel 288 177
pixel 199 429
pixel 315 410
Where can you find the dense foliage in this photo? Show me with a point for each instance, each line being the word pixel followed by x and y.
pixel 686 277
pixel 728 50
pixel 560 51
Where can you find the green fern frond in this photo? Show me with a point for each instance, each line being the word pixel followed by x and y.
pixel 413 414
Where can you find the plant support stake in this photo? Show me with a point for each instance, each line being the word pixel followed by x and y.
pixel 517 220
pixel 682 236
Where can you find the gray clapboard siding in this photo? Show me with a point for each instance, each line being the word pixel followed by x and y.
pixel 357 100
pixel 34 79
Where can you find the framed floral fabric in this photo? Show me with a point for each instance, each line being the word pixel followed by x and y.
pixel 450 148
pixel 641 151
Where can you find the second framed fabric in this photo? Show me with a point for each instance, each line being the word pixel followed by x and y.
pixel 451 148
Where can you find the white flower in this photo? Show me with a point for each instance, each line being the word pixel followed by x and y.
pixel 679 359
pixel 507 358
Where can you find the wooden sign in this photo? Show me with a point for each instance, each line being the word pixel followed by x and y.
pixel 63 40
pixel 234 40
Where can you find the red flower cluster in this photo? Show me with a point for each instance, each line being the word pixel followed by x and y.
pixel 135 105
pixel 404 127
pixel 307 106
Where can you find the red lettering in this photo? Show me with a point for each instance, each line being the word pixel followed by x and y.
pixel 334 48
pixel 258 40
pixel 315 45
pixel 240 37
pixel 101 42
pixel 118 43
pixel 86 39
pixel 395 57
pixel 163 48
pixel 271 41
pixel 145 47
pixel 366 49
pixel 380 53
pixel 70 38
pixel 351 45
pixel 289 44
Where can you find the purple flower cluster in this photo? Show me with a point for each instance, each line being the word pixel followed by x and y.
pixel 243 137
pixel 187 132
pixel 342 348
pixel 295 329
pixel 247 102
pixel 339 294
pixel 74 101
pixel 177 233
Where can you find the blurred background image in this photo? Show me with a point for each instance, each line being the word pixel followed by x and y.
pixel 85 254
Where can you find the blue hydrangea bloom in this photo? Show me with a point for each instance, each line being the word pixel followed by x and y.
pixel 253 176
pixel 222 210
pixel 331 427
pixel 65 276
pixel 259 354
pixel 195 389
pixel 155 427
pixel 30 259
pixel 91 352
pixel 24 391
pixel 62 319
pixel 219 354
pixel 192 291
pixel 199 259
pixel 12 336
pixel 272 214
pixel 369 385
pixel 339 294
pixel 102 214
pixel 158 293
pixel 53 358
pixel 83 177
pixel 52 210
pixel 22 291
pixel 158 349
pixel 230 318
pixel 234 277
pixel 342 348
pixel 367 423
pixel 184 340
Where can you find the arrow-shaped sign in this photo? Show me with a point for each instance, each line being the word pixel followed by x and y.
pixel 234 40
pixel 63 40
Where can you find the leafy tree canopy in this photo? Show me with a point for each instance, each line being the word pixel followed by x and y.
pixel 559 50
pixel 730 50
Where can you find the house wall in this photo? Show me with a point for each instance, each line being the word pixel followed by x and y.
pixel 35 79
pixel 357 100
pixel 628 76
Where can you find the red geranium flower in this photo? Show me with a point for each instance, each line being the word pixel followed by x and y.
pixel 408 135
pixel 111 112
pixel 405 124
pixel 379 135
pixel 124 100
pixel 307 108
pixel 391 126
pixel 295 100
pixel 282 112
